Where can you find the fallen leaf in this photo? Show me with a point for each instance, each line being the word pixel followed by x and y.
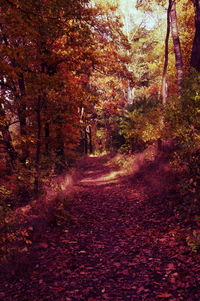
pixel 164 295
pixel 140 289
pixel 170 267
pixel 128 232
pixel 25 249
pixel 125 272
pixel 105 296
pixel 44 245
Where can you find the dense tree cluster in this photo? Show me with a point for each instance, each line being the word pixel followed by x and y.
pixel 49 51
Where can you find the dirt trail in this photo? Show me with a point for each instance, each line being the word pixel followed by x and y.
pixel 120 244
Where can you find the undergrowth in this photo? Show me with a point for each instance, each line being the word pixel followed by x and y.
pixel 21 227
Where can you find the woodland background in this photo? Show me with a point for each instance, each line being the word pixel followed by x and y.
pixel 79 77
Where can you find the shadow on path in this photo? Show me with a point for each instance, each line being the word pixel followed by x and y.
pixel 120 244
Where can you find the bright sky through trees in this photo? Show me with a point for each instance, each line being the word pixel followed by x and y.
pixel 131 15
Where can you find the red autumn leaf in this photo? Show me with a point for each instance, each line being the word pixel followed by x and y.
pixel 164 295
pixel 44 245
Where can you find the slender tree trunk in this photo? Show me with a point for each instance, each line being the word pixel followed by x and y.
pixel 47 135
pixel 22 105
pixel 22 118
pixel 195 55
pixel 177 45
pixel 85 141
pixel 90 140
pixel 60 146
pixel 166 57
pixel 38 148
pixel 7 141
pixel 129 96
pixel 164 92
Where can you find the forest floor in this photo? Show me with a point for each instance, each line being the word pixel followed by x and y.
pixel 123 241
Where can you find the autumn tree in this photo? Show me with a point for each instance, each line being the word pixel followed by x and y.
pixel 41 69
pixel 50 56
pixel 115 85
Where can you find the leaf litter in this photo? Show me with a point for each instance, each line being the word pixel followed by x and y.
pixel 120 244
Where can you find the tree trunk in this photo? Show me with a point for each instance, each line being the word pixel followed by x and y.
pixel 22 118
pixel 85 142
pixel 166 57
pixel 7 141
pixel 60 146
pixel 90 139
pixel 177 46
pixel 47 135
pixel 22 105
pixel 129 94
pixel 195 55
pixel 38 148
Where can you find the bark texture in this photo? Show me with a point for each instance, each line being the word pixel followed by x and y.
pixel 166 57
pixel 177 45
pixel 7 140
pixel 38 148
pixel 22 116
pixel 195 56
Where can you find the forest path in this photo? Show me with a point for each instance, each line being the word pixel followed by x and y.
pixel 120 243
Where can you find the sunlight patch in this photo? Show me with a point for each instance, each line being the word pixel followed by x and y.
pixel 111 177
